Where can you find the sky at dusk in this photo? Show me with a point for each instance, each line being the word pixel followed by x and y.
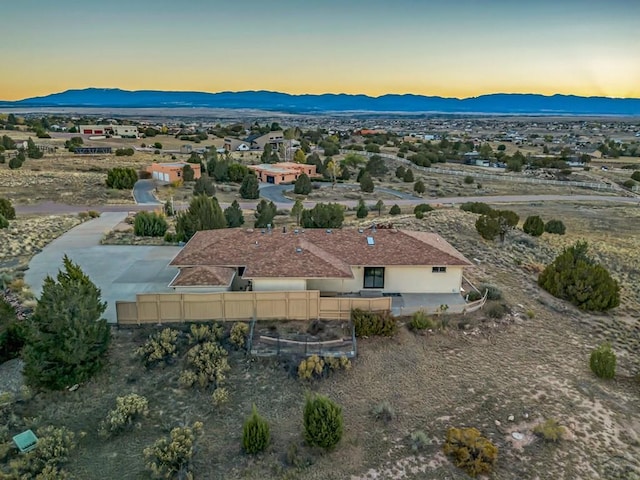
pixel 452 48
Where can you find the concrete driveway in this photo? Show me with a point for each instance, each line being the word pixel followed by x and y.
pixel 143 193
pixel 120 271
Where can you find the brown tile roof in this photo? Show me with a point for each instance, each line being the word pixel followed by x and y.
pixel 314 253
pixel 198 276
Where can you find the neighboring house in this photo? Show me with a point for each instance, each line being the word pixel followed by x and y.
pixel 341 261
pixel 282 172
pixel 172 172
pixel 125 131
pixel 255 142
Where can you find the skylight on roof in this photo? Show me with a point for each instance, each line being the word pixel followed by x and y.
pixel 371 241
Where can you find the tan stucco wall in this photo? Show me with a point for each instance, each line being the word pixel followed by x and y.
pixel 397 280
pixel 278 284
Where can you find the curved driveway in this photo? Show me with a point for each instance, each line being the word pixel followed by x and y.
pixel 143 193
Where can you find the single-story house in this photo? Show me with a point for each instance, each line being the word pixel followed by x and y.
pixel 236 145
pixel 125 131
pixel 339 261
pixel 172 172
pixel 255 142
pixel 282 172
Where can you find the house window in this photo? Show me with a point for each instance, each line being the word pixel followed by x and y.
pixel 373 277
pixel 438 269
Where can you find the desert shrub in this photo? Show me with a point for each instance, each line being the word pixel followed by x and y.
pixel 83 216
pixel 555 226
pixel 471 452
pixel 149 224
pixel 472 296
pixel 45 462
pixel 549 430
pixel 422 208
pixel 419 440
pixel 310 367
pixel 7 210
pixel 419 215
pixel 93 214
pixel 4 223
pixel 16 162
pixel 170 237
pixel 171 458
pixel 635 175
pixel 395 210
pixel 468 180
pixel 493 292
pixel 337 363
pixel 420 321
pixel 373 323
pixel 13 332
pixel 383 411
pixel 124 152
pixel 575 277
pixel 200 333
pixel 128 409
pixel 323 423
pixel 208 365
pixel 487 227
pixel 238 335
pixel 496 310
pixel 160 348
pixel 603 361
pixel 533 226
pixel 121 178
pixel 628 183
pixel 476 207
pixel 219 397
pixel 255 433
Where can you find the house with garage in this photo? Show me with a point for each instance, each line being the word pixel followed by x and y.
pixel 172 172
pixel 340 262
pixel 282 172
pixel 255 142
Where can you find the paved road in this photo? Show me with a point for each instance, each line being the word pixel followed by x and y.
pixel 120 271
pixel 52 208
pixel 143 193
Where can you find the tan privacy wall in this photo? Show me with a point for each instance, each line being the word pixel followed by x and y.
pixel 194 307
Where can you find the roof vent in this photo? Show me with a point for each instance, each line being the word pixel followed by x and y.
pixel 262 231
pixel 360 230
pixel 371 241
pixel 298 250
pixel 328 230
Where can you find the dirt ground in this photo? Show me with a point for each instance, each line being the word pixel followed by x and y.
pixel 529 366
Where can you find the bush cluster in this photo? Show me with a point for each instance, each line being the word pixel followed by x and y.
pixel 315 366
pixel 476 207
pixel 162 347
pixel 171 458
pixel 603 361
pixel 128 409
pixel 238 335
pixel 373 323
pixel 255 433
pixel 575 277
pixel 121 178
pixel 124 152
pixel 150 224
pixel 470 451
pixel 55 445
pixel 208 365
pixel 201 333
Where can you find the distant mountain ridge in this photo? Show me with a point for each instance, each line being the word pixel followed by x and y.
pixel 499 103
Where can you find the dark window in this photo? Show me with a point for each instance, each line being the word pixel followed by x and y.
pixel 373 277
pixel 438 270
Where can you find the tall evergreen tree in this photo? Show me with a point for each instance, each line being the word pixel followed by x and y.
pixel 69 339
pixel 250 188
pixel 233 214
pixel 265 212
pixel 204 213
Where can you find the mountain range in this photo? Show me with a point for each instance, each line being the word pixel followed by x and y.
pixel 497 104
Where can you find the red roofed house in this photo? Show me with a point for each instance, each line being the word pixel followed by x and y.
pixel 342 261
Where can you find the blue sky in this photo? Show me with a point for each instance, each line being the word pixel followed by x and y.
pixel 456 48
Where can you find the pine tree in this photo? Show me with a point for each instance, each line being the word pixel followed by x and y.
pixel 296 211
pixel 249 188
pixel 204 213
pixel 69 339
pixel 265 212
pixel 233 214
pixel 302 185
pixel 362 211
pixel 366 183
pixel 255 433
pixel 323 424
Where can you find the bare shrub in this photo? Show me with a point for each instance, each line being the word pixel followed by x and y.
pixel 171 458
pixel 383 411
pixel 128 409
pixel 160 348
pixel 550 430
pixel 470 451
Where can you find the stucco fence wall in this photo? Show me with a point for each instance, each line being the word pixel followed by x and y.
pixel 200 307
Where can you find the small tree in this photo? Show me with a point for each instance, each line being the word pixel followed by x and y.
pixel 7 210
pixel 233 214
pixel 487 227
pixel 255 433
pixel 323 215
pixel 188 174
pixel 299 156
pixel 533 226
pixel 204 213
pixel 204 186
pixel 379 207
pixel 17 161
pixel 69 338
pixel 400 171
pixel 333 171
pixel 149 224
pixel 362 211
pixel 603 361
pixel 419 187
pixel 376 166
pixel 250 188
pixel 323 423
pixel 395 210
pixel 303 185
pixel 296 211
pixel 556 227
pixel 121 178
pixel 408 176
pixel 265 213
pixel 366 183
